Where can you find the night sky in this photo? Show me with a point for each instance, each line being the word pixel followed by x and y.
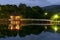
pixel 31 2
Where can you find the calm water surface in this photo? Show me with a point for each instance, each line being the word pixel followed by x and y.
pixel 28 33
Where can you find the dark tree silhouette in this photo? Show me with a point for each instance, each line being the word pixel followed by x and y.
pixel 27 12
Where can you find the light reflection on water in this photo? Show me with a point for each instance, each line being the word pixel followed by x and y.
pixel 28 33
pixel 14 31
pixel 12 27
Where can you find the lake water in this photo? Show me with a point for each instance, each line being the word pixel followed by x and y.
pixel 42 36
pixel 28 33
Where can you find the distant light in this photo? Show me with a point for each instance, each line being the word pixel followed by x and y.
pixel 46 13
pixel 55 16
pixel 45 27
pixel 55 28
pixel 11 17
pixel 17 17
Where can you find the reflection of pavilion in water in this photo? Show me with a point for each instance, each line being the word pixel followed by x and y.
pixel 15 22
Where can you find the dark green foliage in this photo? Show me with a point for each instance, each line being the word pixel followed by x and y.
pixel 27 12
pixel 22 9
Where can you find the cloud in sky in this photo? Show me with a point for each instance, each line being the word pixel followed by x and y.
pixel 29 2
pixel 54 1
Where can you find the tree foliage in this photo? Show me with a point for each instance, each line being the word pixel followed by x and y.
pixel 27 12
